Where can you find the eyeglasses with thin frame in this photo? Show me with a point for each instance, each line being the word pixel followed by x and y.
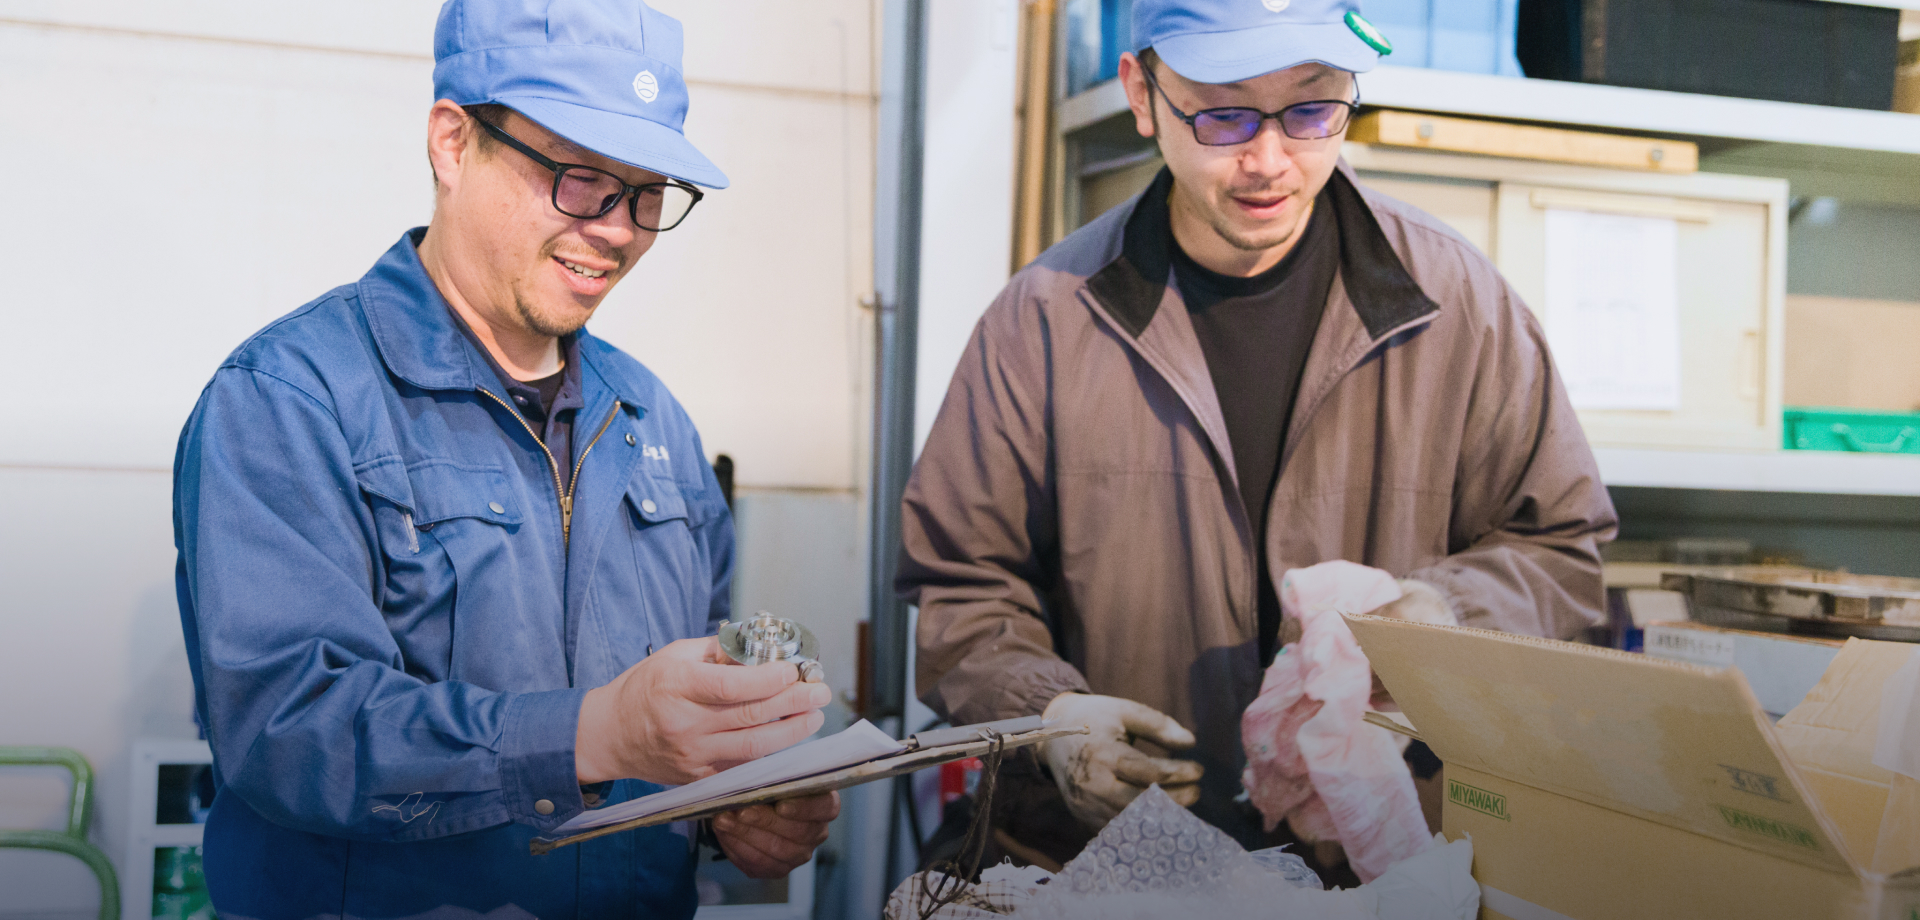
pixel 586 192
pixel 1229 125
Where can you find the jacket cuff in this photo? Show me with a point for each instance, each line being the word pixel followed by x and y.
pixel 1441 581
pixel 1030 696
pixel 539 783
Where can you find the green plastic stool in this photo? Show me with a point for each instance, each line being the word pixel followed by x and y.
pixel 72 841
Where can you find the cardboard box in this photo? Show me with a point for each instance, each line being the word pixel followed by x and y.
pixel 1601 785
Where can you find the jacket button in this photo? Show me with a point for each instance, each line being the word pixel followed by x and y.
pixel 648 506
pixel 591 799
pixel 543 806
pixel 497 507
pixel 630 441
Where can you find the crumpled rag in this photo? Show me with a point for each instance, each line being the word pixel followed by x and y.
pixel 1311 758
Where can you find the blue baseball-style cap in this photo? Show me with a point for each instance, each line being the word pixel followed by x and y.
pixel 1225 41
pixel 604 74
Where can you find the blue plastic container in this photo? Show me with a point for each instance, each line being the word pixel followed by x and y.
pixel 1098 31
pixel 1474 36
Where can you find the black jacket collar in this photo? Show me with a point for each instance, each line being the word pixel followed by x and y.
pixel 1383 293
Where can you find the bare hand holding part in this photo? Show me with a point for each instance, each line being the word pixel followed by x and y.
pixel 686 712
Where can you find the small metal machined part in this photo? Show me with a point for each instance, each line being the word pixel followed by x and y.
pixel 765 637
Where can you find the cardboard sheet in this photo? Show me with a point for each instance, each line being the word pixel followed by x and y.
pixel 1898 746
pixel 1832 737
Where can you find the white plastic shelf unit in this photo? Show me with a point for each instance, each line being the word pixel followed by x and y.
pixel 1823 472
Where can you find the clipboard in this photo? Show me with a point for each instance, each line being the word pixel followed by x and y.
pixel 935 749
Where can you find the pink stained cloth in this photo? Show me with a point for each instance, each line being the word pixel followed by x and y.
pixel 1311 758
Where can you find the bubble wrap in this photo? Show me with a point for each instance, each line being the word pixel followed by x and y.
pixel 1290 867
pixel 1135 870
pixel 1153 845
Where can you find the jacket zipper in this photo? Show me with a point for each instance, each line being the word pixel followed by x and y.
pixel 1252 588
pixel 564 495
pixel 566 501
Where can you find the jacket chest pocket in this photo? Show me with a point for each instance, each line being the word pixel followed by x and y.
pixel 469 592
pixel 663 596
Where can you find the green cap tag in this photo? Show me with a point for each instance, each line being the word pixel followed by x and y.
pixel 1368 33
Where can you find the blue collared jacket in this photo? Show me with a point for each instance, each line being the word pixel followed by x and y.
pixel 392 614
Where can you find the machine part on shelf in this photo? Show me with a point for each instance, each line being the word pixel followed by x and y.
pixel 1806 602
pixel 766 638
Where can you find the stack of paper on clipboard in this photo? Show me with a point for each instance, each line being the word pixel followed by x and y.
pixel 860 754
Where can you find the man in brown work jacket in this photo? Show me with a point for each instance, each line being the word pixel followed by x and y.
pixel 1254 366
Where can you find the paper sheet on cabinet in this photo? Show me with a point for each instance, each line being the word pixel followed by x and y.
pixel 860 743
pixel 1612 310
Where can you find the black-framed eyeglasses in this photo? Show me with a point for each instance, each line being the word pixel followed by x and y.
pixel 587 193
pixel 1229 125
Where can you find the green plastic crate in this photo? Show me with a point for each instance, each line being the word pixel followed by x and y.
pixel 1855 430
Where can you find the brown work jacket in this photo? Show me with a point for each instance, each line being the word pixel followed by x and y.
pixel 1073 522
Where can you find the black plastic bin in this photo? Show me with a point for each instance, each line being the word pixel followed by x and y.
pixel 1786 50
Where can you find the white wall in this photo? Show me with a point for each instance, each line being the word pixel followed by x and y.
pixel 966 241
pixel 245 157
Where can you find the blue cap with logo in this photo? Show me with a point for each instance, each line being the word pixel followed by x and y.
pixel 604 74
pixel 1225 41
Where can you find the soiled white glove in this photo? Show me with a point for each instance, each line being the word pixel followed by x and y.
pixel 1421 603
pixel 1100 773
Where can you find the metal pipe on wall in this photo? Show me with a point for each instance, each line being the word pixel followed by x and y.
pixel 897 296
pixel 899 167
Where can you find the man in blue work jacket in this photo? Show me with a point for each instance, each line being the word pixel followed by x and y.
pixel 449 565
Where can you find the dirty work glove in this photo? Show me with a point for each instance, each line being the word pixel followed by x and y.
pixel 1100 772
pixel 1421 603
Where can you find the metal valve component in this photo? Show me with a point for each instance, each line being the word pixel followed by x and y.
pixel 766 637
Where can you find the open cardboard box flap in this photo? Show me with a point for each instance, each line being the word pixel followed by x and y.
pixel 1682 746
pixel 1830 739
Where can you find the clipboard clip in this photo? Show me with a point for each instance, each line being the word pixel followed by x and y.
pixel 980 731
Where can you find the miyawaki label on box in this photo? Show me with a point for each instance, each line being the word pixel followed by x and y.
pixel 1778 830
pixel 1492 804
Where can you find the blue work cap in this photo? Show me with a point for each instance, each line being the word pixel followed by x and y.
pixel 1225 41
pixel 604 74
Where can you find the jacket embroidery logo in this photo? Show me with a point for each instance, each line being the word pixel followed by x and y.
pixel 653 452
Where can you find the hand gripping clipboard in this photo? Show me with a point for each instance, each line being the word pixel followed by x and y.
pixel 925 749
